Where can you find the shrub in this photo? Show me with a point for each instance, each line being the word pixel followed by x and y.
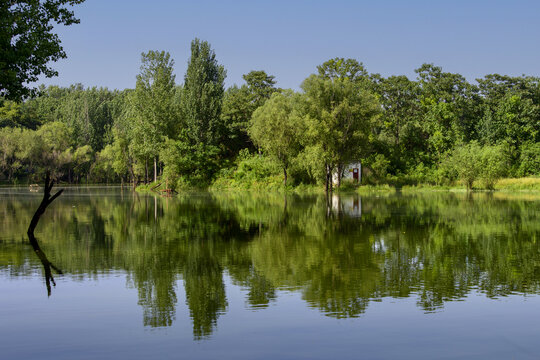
pixel 494 164
pixel 529 161
pixel 467 162
pixel 250 171
pixel 473 162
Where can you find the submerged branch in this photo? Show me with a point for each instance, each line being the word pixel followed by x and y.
pixel 46 201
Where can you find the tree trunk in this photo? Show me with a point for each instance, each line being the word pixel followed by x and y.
pixel 330 179
pixel 339 171
pixel 285 176
pixel 326 181
pixel 146 171
pixel 155 168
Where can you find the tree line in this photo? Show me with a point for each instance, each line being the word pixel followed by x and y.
pixel 437 128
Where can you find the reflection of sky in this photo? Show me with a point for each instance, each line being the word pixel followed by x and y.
pixel 100 319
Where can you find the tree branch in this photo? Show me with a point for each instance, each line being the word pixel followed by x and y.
pixel 46 201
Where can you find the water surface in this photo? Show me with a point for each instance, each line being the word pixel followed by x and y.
pixel 244 276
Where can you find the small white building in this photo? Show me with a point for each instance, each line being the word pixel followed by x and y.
pixel 351 172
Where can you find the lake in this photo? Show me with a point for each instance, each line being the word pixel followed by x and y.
pixel 268 276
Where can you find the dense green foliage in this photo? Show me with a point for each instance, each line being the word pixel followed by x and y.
pixel 27 42
pixel 275 126
pixel 437 129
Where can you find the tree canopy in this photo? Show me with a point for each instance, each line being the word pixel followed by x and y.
pixel 197 133
pixel 28 43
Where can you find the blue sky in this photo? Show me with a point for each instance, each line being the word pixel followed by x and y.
pixel 288 39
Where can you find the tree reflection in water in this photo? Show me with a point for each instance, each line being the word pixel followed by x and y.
pixel 47 265
pixel 339 254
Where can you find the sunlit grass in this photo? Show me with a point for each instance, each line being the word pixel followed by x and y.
pixel 520 184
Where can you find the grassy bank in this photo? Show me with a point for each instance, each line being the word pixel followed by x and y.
pixel 525 184
pixel 519 184
pixel 274 184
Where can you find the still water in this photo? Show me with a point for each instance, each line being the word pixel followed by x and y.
pixel 259 276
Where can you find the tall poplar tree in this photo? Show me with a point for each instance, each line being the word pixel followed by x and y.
pixel 153 100
pixel 203 94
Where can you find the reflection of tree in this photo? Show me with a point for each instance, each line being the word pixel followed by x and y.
pixel 188 238
pixel 261 290
pixel 47 265
pixel 155 281
pixel 205 290
pixel 435 248
pixel 336 272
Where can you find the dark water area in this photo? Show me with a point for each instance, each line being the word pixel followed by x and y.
pixel 268 276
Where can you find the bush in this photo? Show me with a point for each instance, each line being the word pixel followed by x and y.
pixel 494 164
pixel 380 166
pixel 473 162
pixel 375 170
pixel 467 162
pixel 192 166
pixel 421 174
pixel 250 171
pixel 529 161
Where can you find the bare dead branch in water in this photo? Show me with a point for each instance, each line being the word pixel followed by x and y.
pixel 47 200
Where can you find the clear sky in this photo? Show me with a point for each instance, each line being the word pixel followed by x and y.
pixel 288 39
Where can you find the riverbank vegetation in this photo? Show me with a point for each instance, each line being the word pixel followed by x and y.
pixel 436 130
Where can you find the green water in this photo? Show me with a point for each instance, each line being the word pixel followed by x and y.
pixel 444 275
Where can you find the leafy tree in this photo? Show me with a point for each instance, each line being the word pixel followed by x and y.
pixel 338 117
pixel 14 114
pixel 56 151
pixel 446 118
pixel 529 161
pixel 82 159
pixel 89 113
pixel 236 114
pixel 203 94
pixel 171 155
pixel 380 166
pixel 10 143
pixel 260 86
pixel 30 151
pixel 341 68
pixel 514 119
pixel 494 164
pixel 399 127
pixel 103 168
pixel 467 160
pixel 27 42
pixel 189 165
pixel 153 100
pixel 275 126
pixel 239 103
pixel 493 87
